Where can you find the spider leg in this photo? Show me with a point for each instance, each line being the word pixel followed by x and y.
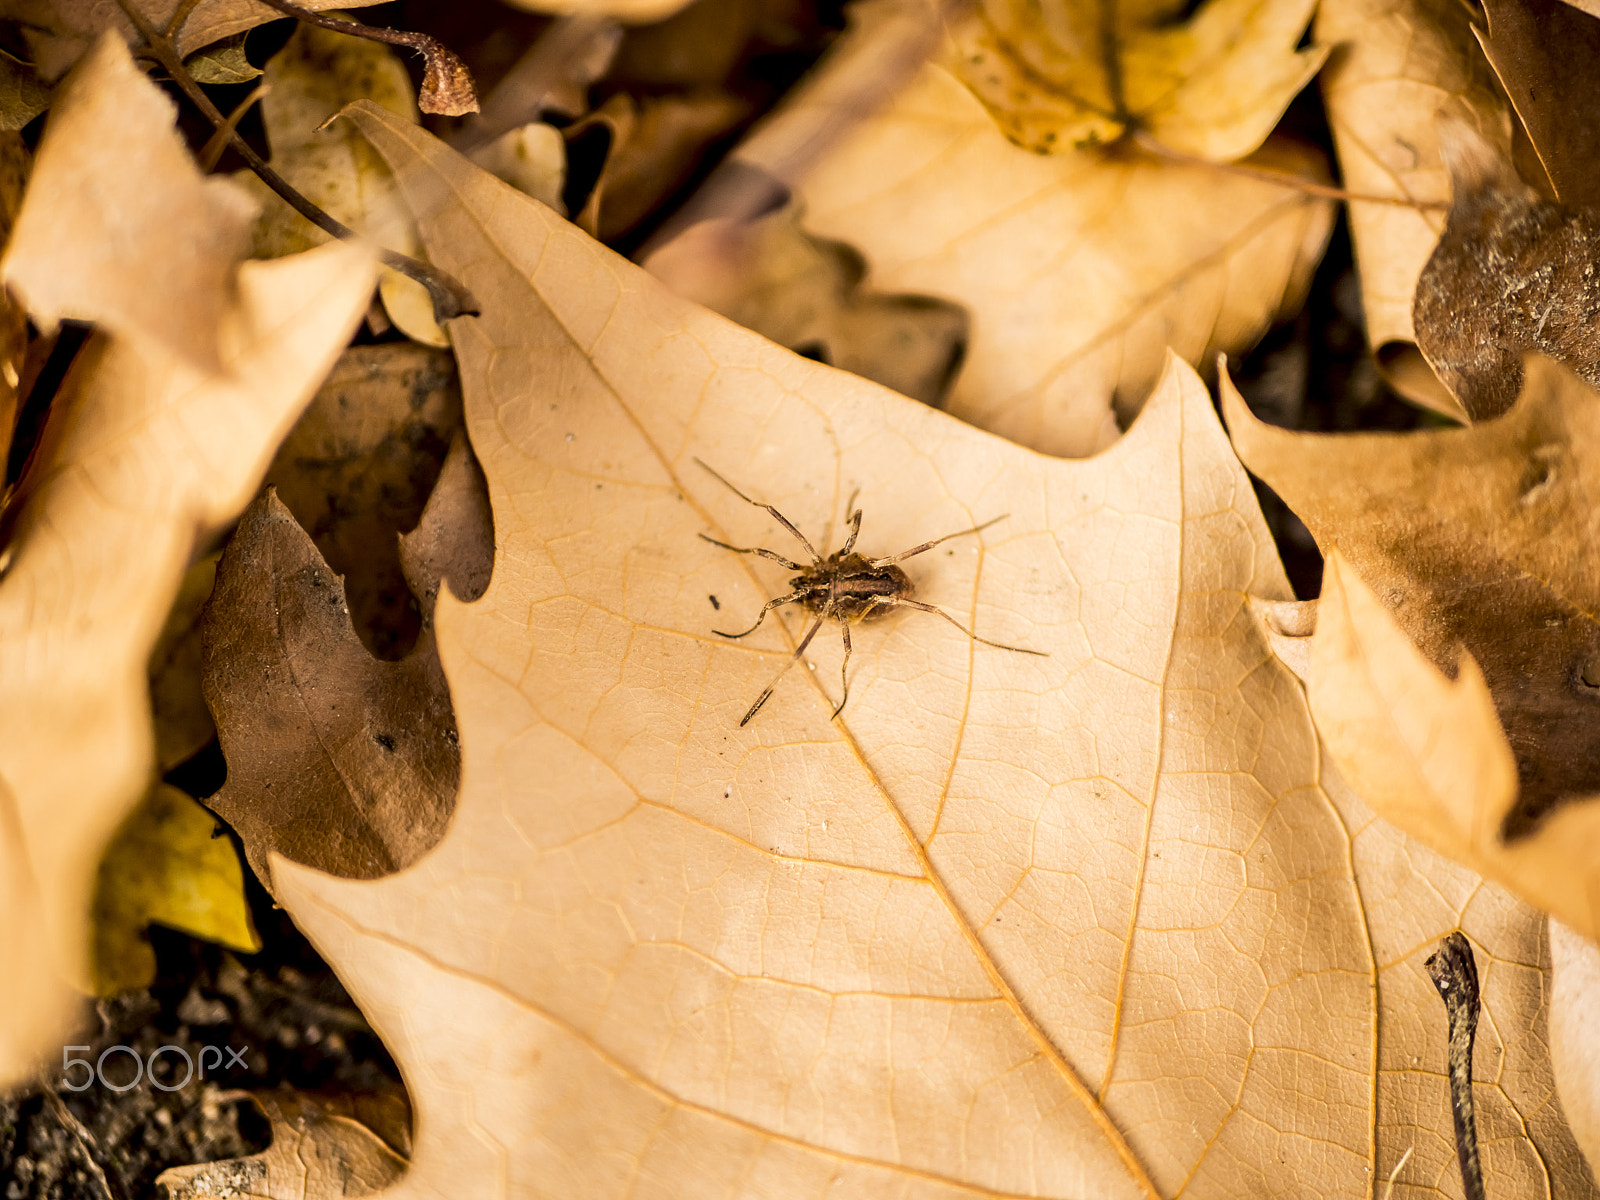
pixel 844 668
pixel 791 598
pixel 855 529
pixel 778 516
pixel 761 550
pixel 894 558
pixel 798 651
pixel 939 612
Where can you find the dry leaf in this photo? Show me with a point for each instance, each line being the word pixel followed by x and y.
pixel 1086 73
pixel 357 469
pixel 1400 63
pixel 1078 271
pixel 532 158
pixel 650 148
pixel 316 74
pixel 188 232
pixel 165 866
pixel 1513 272
pixel 145 455
pixel 182 721
pixel 224 62
pixel 60 31
pixel 315 1155
pixel 1544 52
pixel 1575 1032
pixel 15 164
pixel 455 539
pixel 636 12
pixel 988 932
pixel 769 275
pixel 1429 755
pixel 335 759
pixel 23 95
pixel 1475 538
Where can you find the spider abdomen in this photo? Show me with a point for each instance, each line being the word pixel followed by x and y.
pixel 851 588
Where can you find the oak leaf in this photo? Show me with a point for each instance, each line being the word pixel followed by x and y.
pixel 316 1154
pixel 1078 271
pixel 1082 72
pixel 335 758
pixel 1512 273
pixel 1084 925
pixel 1400 63
pixel 1476 541
pixel 357 470
pixel 145 455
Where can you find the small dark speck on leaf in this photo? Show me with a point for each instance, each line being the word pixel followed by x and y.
pixel 714 603
pixel 384 740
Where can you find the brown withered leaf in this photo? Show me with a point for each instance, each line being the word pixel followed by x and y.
pixel 335 759
pixel 650 146
pixel 316 1154
pixel 146 455
pixel 1399 63
pixel 1076 926
pixel 1429 754
pixel 357 469
pixel 1513 272
pixel 1544 52
pixel 23 95
pixel 455 539
pixel 806 293
pixel 191 231
pixel 61 31
pixel 1479 539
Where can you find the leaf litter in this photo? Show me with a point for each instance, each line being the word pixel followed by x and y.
pixel 1086 875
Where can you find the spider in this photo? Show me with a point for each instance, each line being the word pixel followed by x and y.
pixel 845 586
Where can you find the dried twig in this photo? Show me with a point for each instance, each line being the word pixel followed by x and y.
pixel 1455 973
pixel 447 87
pixel 450 298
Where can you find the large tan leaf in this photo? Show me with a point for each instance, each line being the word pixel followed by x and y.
pixel 1400 64
pixel 1083 925
pixel 1079 271
pixel 1085 72
pixel 145 455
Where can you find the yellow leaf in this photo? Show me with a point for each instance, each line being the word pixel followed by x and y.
pixel 1086 72
pixel 165 866
pixel 1077 926
pixel 1079 271
pixel 146 455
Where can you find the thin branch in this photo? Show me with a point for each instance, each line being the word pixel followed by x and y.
pixel 86 1141
pixel 1455 973
pixel 450 298
pixel 218 142
pixel 447 87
